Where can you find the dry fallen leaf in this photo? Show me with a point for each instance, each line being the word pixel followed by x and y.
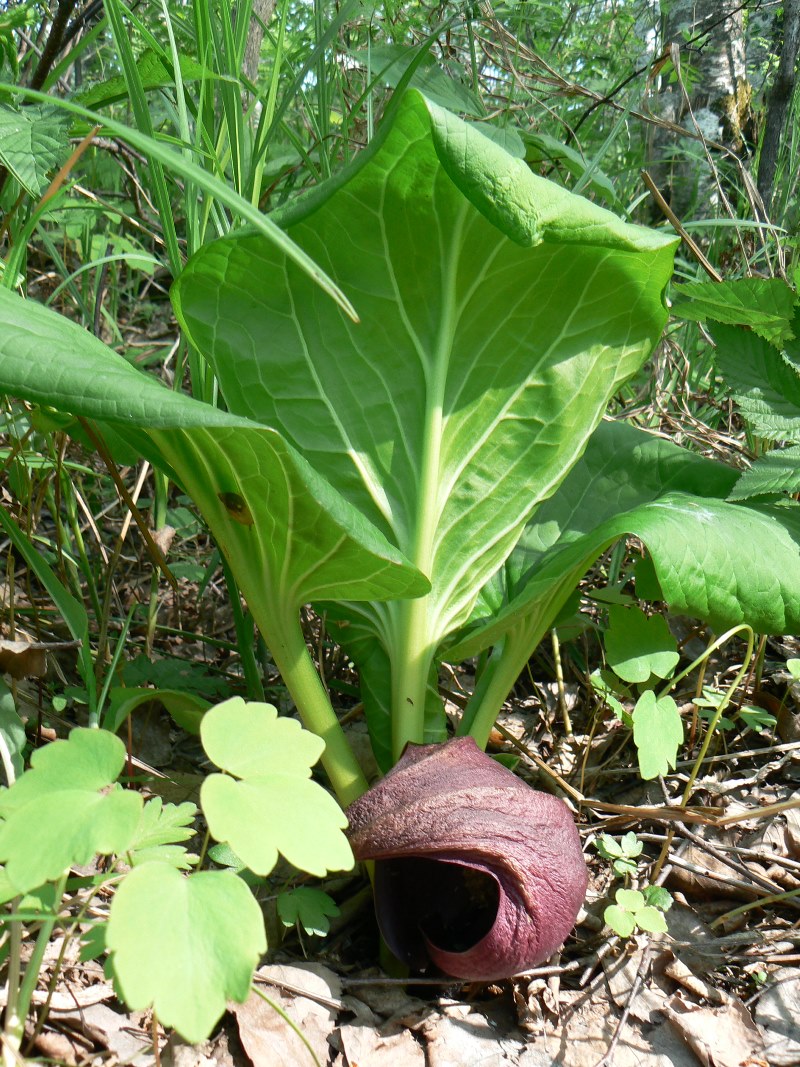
pixel 28 659
pixel 720 1037
pixel 778 1012
pixel 267 1038
pixel 364 1046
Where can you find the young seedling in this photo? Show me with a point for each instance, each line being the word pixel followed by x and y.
pixel 624 854
pixel 639 910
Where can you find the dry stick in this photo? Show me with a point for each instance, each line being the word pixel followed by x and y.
pixel 155 553
pixel 691 244
pixel 757 879
pixel 655 814
pixel 634 992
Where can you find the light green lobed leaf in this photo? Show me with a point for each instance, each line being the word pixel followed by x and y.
pixel 41 840
pixel 275 808
pixel 638 646
pixel 657 734
pixel 311 907
pixel 185 945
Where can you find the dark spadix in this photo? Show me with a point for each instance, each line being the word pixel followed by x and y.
pixel 475 872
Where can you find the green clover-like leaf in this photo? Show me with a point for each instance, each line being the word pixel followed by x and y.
pixel 310 907
pixel 275 807
pixel 638 646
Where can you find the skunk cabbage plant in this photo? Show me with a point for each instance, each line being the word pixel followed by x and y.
pixel 475 872
pixel 436 475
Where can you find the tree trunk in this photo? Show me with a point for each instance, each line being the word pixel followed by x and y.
pixel 779 100
pixel 710 35
pixel 262 13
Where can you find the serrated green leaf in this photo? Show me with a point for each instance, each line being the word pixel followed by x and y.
pixel 657 734
pixel 776 472
pixel 620 921
pixel 184 944
pixel 766 305
pixel 638 646
pixel 310 907
pixel 261 817
pixel 765 387
pixel 652 920
pixel 33 143
pixel 161 827
pixel 249 739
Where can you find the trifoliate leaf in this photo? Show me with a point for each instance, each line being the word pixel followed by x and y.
pixel 184 944
pixel 310 907
pixel 638 646
pixel 276 807
pixel 657 734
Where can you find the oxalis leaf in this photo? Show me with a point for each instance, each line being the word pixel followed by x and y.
pixel 274 806
pixel 498 315
pixel 61 813
pixel 184 944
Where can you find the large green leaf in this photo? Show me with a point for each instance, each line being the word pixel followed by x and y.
pixel 265 504
pixel 723 562
pixel 498 315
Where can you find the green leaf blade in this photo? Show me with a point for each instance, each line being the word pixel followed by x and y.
pixel 657 734
pixel 184 945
